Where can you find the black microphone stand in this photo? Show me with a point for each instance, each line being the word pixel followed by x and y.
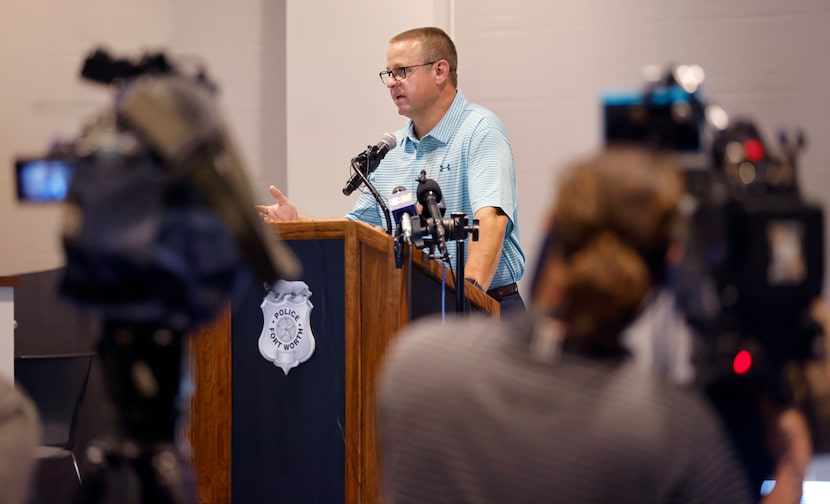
pixel 361 172
pixel 459 278
pixel 457 230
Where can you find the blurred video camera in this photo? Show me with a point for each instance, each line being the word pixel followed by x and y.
pixel 754 255
pixel 160 230
pixel 160 221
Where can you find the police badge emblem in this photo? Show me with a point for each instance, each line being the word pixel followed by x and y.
pixel 286 338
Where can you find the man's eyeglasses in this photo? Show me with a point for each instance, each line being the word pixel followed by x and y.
pixel 399 73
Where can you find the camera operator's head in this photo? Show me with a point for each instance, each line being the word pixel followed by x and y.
pixel 613 223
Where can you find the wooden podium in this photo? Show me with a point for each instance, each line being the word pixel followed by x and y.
pixel 308 435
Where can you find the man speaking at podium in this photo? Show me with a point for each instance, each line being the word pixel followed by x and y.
pixel 462 146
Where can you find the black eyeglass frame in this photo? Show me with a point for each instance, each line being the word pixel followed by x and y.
pixel 390 74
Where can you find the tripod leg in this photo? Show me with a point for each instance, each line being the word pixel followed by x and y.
pixel 143 372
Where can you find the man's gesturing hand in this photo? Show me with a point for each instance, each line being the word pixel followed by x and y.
pixel 282 210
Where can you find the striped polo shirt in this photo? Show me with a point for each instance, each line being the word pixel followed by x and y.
pixel 468 154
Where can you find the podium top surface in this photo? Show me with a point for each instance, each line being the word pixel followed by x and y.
pixel 337 229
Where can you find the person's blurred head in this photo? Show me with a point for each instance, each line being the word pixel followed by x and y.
pixel 614 219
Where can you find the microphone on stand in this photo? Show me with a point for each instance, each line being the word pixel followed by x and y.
pixel 429 195
pixel 366 162
pixel 402 206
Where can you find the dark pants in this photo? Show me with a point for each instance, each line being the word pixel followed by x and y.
pixel 511 303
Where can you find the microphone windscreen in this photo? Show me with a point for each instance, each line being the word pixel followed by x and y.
pixel 389 140
pixel 425 188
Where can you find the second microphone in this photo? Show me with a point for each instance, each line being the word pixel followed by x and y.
pixel 366 162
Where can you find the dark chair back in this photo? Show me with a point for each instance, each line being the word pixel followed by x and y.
pixel 56 384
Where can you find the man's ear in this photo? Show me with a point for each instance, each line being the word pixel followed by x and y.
pixel 442 70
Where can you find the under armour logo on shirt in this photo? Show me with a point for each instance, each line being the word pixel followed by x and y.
pixel 441 168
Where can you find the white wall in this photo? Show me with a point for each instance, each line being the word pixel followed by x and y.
pixel 542 64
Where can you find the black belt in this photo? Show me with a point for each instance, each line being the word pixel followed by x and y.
pixel 502 292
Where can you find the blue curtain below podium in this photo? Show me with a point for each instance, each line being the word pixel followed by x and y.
pixel 289 437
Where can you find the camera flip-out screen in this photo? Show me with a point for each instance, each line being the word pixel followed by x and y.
pixel 42 180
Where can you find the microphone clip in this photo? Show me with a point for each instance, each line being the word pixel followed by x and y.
pixel 369 159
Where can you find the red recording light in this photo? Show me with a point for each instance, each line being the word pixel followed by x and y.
pixel 753 150
pixel 742 362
